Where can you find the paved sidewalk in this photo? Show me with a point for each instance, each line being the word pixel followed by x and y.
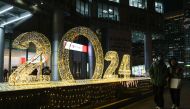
pixel 148 103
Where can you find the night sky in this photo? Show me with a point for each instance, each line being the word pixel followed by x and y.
pixel 173 5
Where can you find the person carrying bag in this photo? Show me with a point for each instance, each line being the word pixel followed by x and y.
pixel 176 74
pixel 159 74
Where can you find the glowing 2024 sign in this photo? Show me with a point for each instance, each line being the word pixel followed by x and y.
pixel 43 49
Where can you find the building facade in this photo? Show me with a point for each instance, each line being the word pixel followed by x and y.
pixel 186 24
pixel 120 24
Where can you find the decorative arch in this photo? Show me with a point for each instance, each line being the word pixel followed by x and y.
pixel 63 56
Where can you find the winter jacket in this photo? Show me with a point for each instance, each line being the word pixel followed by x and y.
pixel 159 73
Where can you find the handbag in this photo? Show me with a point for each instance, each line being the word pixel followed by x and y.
pixel 175 83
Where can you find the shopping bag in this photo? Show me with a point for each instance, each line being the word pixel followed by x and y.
pixel 175 83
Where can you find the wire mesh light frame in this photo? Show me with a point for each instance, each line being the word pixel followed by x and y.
pixel 63 56
pixel 43 48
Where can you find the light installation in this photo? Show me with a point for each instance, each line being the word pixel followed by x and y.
pixel 113 57
pixel 43 49
pixel 63 56
pixel 82 91
pixel 124 68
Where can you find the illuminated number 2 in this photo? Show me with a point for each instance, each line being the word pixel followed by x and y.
pixel 43 50
pixel 113 57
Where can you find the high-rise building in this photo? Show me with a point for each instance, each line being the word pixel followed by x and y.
pixel 187 37
pixel 176 30
pixel 174 35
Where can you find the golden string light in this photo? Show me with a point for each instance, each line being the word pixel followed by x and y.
pixel 43 49
pixel 59 95
pixel 63 61
pixel 113 57
pixel 51 84
pixel 90 90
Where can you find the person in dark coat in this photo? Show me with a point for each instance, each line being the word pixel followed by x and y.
pixel 5 75
pixel 159 74
pixel 176 74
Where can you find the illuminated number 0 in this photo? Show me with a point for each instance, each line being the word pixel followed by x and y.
pixel 63 56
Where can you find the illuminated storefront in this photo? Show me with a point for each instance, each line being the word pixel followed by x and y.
pixel 138 70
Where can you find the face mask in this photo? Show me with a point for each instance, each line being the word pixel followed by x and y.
pixel 154 59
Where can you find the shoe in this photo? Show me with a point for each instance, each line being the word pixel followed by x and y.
pixel 176 107
pixel 173 106
pixel 157 107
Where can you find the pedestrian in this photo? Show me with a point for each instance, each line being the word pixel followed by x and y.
pixel 159 74
pixel 5 75
pixel 46 71
pixel 176 74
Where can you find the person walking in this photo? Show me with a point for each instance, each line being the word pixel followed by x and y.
pixel 159 74
pixel 176 74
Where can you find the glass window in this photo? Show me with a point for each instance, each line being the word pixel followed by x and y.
pixel 116 14
pixel 107 11
pixel 82 7
pixel 86 9
pixel 111 13
pixel 138 3
pixel 77 5
pixel 138 37
pixel 159 7
pixel 117 1
pixel 100 10
pixel 157 36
